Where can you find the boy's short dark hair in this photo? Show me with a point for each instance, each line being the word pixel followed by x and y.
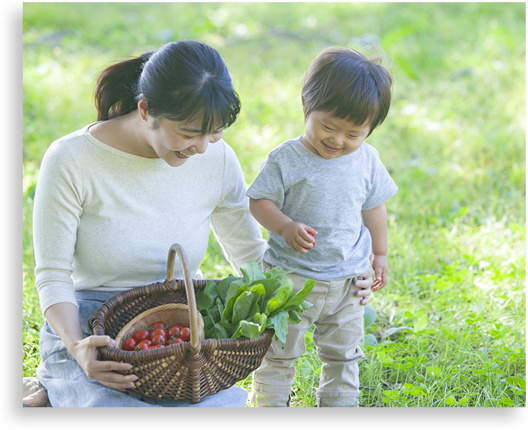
pixel 346 83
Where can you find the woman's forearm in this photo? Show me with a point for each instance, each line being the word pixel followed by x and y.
pixel 65 321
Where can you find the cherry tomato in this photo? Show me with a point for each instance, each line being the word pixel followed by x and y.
pixel 176 328
pixel 174 340
pixel 130 344
pixel 141 346
pixel 158 324
pixel 185 334
pixel 158 332
pixel 155 346
pixel 140 335
pixel 159 340
pixel 146 342
pixel 314 240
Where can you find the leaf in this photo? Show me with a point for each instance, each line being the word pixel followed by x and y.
pixel 228 311
pixel 451 401
pixel 369 317
pixel 251 328
pixel 516 381
pixel 299 296
pixel 210 290
pixel 223 286
pixel 371 340
pixel 277 273
pixel 434 370
pixel 247 303
pixel 394 330
pixel 203 301
pixel 294 317
pixel 278 301
pixel 252 272
pixel 279 322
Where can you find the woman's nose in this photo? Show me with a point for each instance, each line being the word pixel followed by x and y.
pixel 201 146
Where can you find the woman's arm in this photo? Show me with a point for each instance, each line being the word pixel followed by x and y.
pixel 64 320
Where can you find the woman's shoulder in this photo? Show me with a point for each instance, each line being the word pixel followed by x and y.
pixel 67 148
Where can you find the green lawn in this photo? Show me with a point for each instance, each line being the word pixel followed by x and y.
pixel 449 328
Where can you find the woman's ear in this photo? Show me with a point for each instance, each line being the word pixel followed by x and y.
pixel 143 108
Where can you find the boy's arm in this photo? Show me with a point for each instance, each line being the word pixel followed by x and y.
pixel 376 221
pixel 295 234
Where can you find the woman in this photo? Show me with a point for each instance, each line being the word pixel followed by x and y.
pixel 112 197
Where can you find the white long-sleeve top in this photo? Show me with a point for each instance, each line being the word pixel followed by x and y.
pixel 106 219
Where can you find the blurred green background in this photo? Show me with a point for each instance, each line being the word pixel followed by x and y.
pixel 454 140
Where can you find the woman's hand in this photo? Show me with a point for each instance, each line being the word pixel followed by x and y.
pixel 85 353
pixel 64 319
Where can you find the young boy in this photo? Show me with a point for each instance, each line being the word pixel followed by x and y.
pixel 328 184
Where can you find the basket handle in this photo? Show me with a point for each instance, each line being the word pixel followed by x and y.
pixel 189 289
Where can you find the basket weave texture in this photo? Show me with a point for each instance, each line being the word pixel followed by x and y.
pixel 188 371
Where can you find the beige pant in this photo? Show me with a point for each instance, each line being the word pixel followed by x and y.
pixel 338 319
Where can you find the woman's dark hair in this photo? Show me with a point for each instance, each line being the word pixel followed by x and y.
pixel 182 80
pixel 349 85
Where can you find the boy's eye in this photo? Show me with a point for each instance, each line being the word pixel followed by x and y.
pixel 352 137
pixel 327 128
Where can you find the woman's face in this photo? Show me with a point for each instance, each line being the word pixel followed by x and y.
pixel 176 141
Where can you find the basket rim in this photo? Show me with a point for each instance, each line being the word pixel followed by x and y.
pixel 97 323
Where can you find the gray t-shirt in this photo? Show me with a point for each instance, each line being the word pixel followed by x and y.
pixel 328 195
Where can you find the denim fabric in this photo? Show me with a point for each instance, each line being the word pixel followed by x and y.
pixel 68 385
pixel 338 319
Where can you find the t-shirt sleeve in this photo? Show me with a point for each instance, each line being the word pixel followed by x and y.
pixel 237 232
pixel 56 217
pixel 269 183
pixel 382 186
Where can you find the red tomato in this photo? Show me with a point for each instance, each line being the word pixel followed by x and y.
pixel 174 340
pixel 129 344
pixel 176 328
pixel 185 334
pixel 159 340
pixel 140 335
pixel 314 239
pixel 141 346
pixel 146 342
pixel 158 324
pixel 158 332
pixel 155 346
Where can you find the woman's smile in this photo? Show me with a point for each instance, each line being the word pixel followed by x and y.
pixel 182 155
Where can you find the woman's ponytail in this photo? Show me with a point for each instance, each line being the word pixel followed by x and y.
pixel 181 81
pixel 116 88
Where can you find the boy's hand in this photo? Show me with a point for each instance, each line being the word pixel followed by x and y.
pixel 381 271
pixel 299 237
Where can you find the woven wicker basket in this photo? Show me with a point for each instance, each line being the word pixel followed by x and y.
pixel 188 371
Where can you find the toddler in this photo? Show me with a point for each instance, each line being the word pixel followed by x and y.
pixel 329 185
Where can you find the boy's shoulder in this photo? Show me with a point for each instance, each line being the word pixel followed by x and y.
pixel 369 150
pixel 286 148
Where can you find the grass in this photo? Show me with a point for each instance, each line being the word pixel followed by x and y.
pixel 449 329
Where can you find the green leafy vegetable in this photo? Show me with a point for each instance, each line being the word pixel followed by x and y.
pixel 246 306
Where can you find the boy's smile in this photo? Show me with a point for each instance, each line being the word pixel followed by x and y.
pixel 332 137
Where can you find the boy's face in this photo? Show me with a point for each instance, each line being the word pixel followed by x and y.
pixel 332 137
